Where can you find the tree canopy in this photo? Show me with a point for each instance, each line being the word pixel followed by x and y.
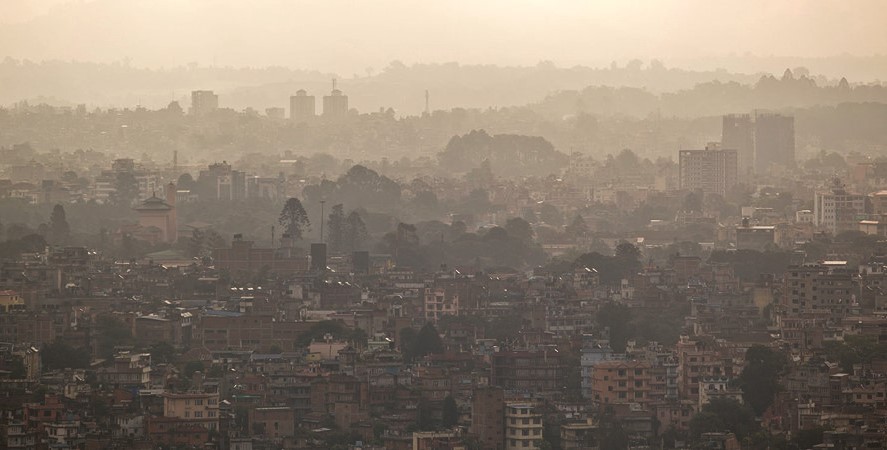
pixel 294 219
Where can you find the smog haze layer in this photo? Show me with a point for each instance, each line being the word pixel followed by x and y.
pixel 360 37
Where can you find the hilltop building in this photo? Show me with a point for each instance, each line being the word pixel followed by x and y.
pixel 774 141
pixel 335 105
pixel 203 102
pixel 302 106
pixel 738 133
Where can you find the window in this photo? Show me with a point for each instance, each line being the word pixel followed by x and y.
pixel 198 414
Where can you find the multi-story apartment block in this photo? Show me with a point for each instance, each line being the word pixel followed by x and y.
pixel 774 141
pixel 813 295
pixel 541 371
pixel 302 106
pixel 713 170
pixel 15 436
pixel 738 133
pixel 838 210
pixel 128 371
pixel 439 303
pixel 698 358
pixel 623 382
pixel 593 352
pixel 203 102
pixel 488 417
pixel 523 426
pixel 198 408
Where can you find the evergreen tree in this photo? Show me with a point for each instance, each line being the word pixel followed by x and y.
pixel 336 224
pixel 185 181
pixel 628 251
pixel 58 225
pixel 549 214
pixel 126 189
pixel 759 380
pixel 617 318
pixel 450 412
pixel 294 218
pixel 428 341
pixel 577 228
pixel 61 355
pixel 425 416
pixel 214 240
pixel 196 243
pixel 355 232
pixel 723 414
pixel 520 229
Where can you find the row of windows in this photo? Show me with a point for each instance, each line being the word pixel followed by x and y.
pixel 199 414
pixel 526 421
pixel 523 444
pixel 199 401
pixel 526 432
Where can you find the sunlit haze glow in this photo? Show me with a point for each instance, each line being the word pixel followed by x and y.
pixel 351 36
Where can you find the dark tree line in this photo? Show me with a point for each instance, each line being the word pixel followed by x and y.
pixel 347 233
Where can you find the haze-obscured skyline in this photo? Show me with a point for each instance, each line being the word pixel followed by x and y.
pixel 351 37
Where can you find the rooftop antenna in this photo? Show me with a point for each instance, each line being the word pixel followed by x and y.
pixel 334 84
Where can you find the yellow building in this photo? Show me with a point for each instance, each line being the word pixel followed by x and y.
pixel 11 301
pixel 523 426
pixel 200 408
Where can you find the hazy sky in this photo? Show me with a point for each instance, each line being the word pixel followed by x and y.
pixel 349 36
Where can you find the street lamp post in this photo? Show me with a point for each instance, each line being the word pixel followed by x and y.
pixel 321 220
